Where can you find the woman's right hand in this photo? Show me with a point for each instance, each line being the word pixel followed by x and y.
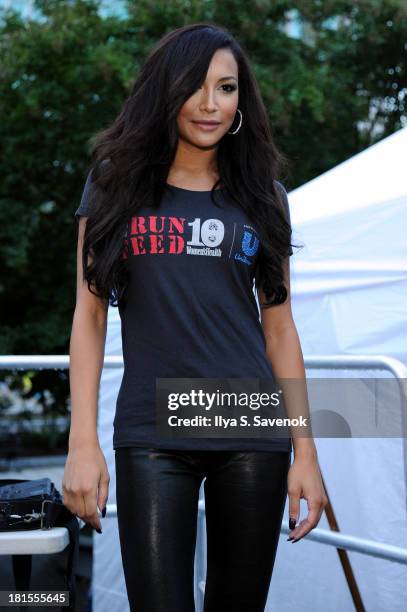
pixel 85 483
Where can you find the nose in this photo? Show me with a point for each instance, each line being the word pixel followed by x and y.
pixel 208 102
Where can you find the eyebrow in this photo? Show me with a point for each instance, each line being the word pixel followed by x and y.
pixel 227 78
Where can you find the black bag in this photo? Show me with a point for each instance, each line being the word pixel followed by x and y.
pixel 37 504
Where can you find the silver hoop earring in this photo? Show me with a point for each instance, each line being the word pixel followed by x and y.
pixel 240 122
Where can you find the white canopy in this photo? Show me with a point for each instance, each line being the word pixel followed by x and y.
pixel 349 282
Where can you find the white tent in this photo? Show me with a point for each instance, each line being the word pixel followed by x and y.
pixel 349 295
pixel 352 221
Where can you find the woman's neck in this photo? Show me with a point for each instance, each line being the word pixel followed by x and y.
pixel 193 168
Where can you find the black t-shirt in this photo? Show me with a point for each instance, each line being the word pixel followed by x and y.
pixel 190 310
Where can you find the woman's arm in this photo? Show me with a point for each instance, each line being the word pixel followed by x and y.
pixel 86 477
pixel 285 354
pixel 86 350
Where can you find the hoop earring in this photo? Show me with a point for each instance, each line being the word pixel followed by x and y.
pixel 240 122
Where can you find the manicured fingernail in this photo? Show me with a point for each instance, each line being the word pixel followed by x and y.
pixel 104 512
pixel 98 530
pixel 291 523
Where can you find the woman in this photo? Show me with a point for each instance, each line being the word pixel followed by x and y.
pixel 180 215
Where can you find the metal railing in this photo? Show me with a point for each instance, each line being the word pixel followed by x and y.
pixel 320 362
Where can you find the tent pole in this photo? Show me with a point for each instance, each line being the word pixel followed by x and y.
pixel 343 556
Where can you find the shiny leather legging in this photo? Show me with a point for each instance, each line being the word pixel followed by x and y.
pixel 157 503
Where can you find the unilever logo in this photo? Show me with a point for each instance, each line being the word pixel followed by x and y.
pixel 249 246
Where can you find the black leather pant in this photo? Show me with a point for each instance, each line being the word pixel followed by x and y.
pixel 157 507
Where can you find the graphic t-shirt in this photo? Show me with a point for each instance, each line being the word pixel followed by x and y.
pixel 190 309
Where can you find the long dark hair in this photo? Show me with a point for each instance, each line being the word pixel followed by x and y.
pixel 132 158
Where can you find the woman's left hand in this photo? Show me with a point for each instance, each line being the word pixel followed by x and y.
pixel 304 481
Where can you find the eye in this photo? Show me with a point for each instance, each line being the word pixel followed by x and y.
pixel 232 87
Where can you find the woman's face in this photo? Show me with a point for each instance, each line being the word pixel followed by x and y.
pixel 216 100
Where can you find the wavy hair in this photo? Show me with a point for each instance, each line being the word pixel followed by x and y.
pixel 140 146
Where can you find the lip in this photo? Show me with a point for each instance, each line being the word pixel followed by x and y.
pixel 207 122
pixel 207 125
